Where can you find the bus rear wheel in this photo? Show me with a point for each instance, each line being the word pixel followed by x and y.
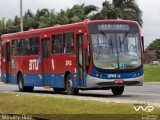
pixel 70 86
pixel 21 86
pixel 117 90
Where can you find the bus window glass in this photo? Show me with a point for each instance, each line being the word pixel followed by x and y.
pixel 58 44
pixel 15 48
pixel 69 42
pixel 53 39
pixel 34 46
pixel 25 47
pixel 18 47
pixel 13 43
pixel 116 50
pixel 2 50
pixel 129 51
pixel 19 44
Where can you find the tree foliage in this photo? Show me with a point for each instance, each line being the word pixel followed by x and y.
pixel 123 9
pixel 155 45
pixel 2 26
pixel 120 9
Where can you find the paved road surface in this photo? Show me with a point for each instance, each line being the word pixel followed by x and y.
pixel 149 94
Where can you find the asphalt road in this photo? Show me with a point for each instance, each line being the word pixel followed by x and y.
pixel 149 93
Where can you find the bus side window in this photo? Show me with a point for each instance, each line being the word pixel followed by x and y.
pixel 2 54
pixel 19 47
pixel 57 44
pixel 69 42
pixel 25 47
pixel 15 48
pixel 34 46
pixel 53 40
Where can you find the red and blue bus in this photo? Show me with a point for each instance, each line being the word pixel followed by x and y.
pixel 99 54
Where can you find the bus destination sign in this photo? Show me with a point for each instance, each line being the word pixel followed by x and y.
pixel 113 27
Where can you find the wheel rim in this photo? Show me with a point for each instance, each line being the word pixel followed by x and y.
pixel 20 84
pixel 69 86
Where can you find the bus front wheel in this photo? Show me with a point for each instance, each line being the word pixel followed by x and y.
pixel 70 86
pixel 21 86
pixel 117 90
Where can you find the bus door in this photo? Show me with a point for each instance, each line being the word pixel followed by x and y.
pixel 7 59
pixel 45 61
pixel 81 69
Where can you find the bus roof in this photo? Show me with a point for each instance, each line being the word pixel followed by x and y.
pixel 60 27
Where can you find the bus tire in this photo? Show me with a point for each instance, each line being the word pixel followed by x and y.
pixel 118 90
pixel 21 86
pixel 70 86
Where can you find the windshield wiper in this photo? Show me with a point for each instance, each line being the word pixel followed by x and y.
pixel 103 33
pixel 111 44
pixel 126 34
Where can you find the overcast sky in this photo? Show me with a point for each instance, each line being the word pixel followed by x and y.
pixel 150 9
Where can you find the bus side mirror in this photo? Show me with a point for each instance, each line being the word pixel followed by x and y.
pixel 85 42
pixel 142 38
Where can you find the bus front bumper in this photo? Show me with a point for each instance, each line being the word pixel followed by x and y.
pixel 93 82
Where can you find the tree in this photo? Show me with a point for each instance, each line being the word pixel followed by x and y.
pixel 89 9
pixel 2 26
pixel 46 18
pixel 10 26
pixel 122 9
pixel 52 18
pixel 16 23
pixel 30 20
pixel 62 18
pixel 158 54
pixel 154 45
pixel 79 13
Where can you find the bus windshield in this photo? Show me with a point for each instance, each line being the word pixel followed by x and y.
pixel 116 50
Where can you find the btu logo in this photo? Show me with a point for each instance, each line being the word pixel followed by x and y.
pixel 33 64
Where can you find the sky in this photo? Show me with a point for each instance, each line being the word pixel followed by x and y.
pixel 150 9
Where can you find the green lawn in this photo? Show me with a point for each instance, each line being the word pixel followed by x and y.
pixel 66 108
pixel 152 73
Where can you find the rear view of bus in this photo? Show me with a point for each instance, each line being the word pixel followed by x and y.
pixel 117 55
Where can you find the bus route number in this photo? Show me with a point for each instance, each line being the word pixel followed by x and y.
pixel 68 63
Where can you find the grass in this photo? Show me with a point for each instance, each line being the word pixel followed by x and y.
pixel 152 73
pixel 65 108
